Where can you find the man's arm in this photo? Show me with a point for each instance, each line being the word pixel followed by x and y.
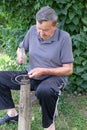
pixel 65 70
pixel 21 56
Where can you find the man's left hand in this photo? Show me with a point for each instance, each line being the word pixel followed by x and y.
pixel 37 72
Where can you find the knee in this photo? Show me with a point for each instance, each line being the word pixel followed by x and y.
pixel 42 92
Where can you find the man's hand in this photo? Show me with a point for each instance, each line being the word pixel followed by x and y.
pixel 19 60
pixel 37 72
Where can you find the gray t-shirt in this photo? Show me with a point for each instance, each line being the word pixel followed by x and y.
pixel 51 53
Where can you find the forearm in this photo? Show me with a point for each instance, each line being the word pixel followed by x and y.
pixel 61 71
pixel 65 70
pixel 21 56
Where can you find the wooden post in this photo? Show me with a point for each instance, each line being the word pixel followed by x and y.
pixel 24 107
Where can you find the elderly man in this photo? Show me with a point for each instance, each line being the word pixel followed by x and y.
pixel 50 62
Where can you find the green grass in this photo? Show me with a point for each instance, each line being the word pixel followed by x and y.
pixel 72 113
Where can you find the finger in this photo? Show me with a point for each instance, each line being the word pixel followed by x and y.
pixel 31 75
pixel 31 72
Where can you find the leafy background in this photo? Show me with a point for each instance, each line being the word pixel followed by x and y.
pixel 17 16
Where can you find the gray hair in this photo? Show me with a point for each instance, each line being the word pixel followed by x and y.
pixel 45 14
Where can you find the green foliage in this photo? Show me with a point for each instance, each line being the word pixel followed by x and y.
pixel 7 63
pixel 17 16
pixel 80 63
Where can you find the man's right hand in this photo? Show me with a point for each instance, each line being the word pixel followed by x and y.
pixel 19 60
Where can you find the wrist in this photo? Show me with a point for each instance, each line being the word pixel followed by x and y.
pixel 46 71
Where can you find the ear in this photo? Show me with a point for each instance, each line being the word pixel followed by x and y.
pixel 57 25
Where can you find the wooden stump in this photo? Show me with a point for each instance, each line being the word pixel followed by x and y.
pixel 24 107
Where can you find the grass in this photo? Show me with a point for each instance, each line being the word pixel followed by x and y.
pixel 72 113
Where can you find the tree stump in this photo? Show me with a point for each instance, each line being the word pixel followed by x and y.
pixel 24 107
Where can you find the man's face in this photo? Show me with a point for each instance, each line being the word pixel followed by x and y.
pixel 46 29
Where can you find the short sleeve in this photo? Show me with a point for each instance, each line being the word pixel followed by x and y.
pixel 66 50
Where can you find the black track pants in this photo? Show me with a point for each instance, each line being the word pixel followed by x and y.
pixel 46 90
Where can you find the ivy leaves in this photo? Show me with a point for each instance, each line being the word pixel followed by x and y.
pixel 16 17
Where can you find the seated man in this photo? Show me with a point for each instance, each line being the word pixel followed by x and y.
pixel 50 62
